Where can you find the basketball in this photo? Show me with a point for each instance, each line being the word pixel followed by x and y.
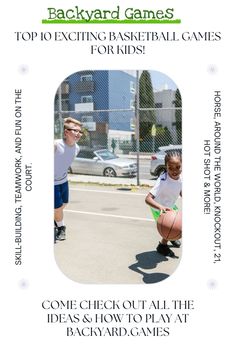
pixel 169 225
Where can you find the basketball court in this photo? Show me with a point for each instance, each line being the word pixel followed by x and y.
pixel 112 237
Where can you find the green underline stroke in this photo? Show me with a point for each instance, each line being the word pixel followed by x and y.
pixel 137 22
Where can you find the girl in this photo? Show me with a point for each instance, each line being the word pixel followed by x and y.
pixel 162 197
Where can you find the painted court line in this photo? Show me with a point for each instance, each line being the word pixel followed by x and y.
pixel 108 215
pixel 109 192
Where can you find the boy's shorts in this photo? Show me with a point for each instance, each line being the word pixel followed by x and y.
pixel 156 213
pixel 61 195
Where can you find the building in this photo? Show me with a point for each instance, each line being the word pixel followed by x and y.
pixel 102 100
pixel 165 114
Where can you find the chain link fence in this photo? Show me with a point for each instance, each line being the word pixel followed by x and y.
pixel 122 111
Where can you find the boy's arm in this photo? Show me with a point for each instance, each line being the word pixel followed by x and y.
pixel 55 145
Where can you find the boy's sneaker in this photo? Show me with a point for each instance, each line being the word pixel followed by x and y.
pixel 61 233
pixel 176 243
pixel 165 250
pixel 55 234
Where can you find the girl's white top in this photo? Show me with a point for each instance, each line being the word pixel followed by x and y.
pixel 167 190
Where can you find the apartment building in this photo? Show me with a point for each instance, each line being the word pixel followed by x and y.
pixel 103 100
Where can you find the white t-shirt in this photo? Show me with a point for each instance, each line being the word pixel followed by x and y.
pixel 167 190
pixel 64 155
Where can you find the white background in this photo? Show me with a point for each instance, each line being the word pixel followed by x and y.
pixel 211 286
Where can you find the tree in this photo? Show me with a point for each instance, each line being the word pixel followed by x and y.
pixel 146 100
pixel 178 116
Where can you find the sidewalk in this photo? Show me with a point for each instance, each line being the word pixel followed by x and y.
pixel 142 156
pixel 123 181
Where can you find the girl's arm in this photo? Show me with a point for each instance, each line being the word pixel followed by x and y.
pixel 152 203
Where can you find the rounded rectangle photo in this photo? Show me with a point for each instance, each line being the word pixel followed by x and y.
pixel 117 176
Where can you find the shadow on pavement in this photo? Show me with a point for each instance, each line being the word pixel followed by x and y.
pixel 149 260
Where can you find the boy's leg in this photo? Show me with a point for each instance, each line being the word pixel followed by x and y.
pixel 61 194
pixel 61 229
pixel 58 215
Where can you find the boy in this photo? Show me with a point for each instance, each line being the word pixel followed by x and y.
pixel 66 150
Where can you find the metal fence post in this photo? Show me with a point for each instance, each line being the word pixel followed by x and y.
pixel 60 111
pixel 137 126
pixel 115 120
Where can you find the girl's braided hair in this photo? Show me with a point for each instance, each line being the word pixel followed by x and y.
pixel 173 153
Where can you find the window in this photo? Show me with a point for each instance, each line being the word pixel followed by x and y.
pixel 87 119
pixel 86 78
pixel 106 155
pixel 86 154
pixel 86 99
pixel 65 105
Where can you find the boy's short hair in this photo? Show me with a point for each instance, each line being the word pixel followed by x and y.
pixel 69 120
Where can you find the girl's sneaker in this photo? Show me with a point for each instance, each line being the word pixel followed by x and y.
pixel 176 243
pixel 165 250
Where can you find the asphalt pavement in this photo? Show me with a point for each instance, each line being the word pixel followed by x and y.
pixel 111 236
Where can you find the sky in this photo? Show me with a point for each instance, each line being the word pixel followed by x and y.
pixel 160 81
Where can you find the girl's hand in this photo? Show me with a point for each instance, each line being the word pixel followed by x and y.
pixel 164 209
pixel 150 201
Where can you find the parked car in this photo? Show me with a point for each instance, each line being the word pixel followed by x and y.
pixel 158 159
pixel 102 162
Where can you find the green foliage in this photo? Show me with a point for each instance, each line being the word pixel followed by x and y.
pixel 178 116
pixel 146 100
pixel 162 138
pixel 146 95
pixel 85 138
